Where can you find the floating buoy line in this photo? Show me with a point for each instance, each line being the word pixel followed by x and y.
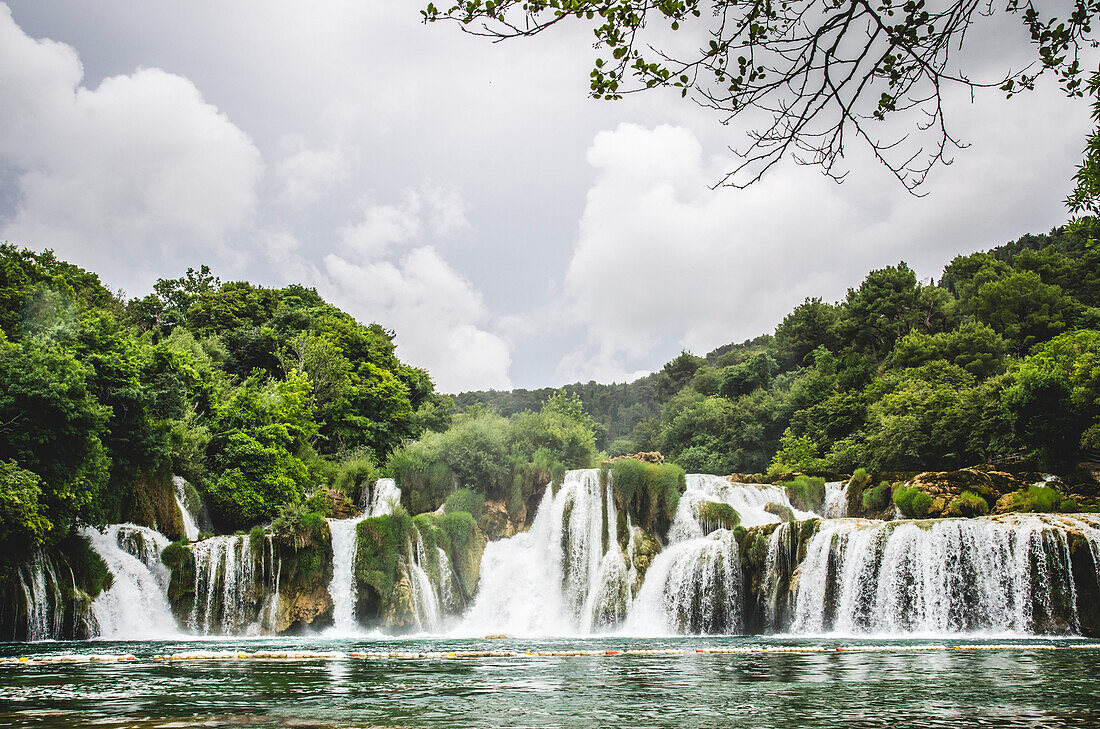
pixel 127 658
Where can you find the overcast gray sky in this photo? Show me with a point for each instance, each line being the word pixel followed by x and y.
pixel 468 195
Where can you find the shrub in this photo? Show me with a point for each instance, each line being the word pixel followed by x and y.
pixel 175 555
pixel 714 515
pixel 380 539
pixel 806 493
pixel 649 491
pixel 877 498
pixel 467 501
pixel 1042 499
pixel 89 571
pixel 782 511
pixel 913 503
pixel 354 474
pixel 968 504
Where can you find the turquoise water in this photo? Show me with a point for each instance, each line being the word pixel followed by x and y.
pixel 888 686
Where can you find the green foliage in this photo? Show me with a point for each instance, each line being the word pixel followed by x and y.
pixel 22 527
pixel 380 540
pixel 501 458
pixel 649 491
pixel 467 501
pixel 806 493
pixel 968 504
pixel 1038 498
pixel 715 515
pixel 354 474
pixel 974 347
pixel 913 503
pixel 796 453
pixel 175 555
pixel 877 498
pixel 297 527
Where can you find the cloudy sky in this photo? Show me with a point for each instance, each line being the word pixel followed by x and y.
pixel 468 195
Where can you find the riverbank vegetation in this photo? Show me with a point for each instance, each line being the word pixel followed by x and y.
pixel 997 362
pixel 255 395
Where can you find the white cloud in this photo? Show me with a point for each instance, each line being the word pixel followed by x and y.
pixel 662 262
pixel 123 177
pixel 431 209
pixel 385 271
pixel 304 174
pixel 437 314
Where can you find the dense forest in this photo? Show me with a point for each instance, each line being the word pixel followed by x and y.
pixel 255 395
pixel 998 362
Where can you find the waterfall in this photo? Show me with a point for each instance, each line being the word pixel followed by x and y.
pixel 425 600
pixel 230 592
pixel 836 500
pixel 691 587
pixel 381 498
pixel 547 581
pixel 449 594
pixel 345 542
pixel 42 597
pixel 779 564
pixel 995 574
pixel 749 500
pixel 189 516
pixel 135 605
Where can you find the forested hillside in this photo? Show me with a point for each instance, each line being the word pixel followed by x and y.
pixel 999 361
pixel 255 395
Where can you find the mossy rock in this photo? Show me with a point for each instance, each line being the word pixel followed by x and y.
pixel 713 515
pixel 152 503
pixel 806 493
pixel 649 492
pixel 783 511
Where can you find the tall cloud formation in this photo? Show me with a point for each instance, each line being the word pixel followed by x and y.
pixel 384 270
pixel 662 262
pixel 123 176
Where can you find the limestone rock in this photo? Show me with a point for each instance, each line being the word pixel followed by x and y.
pixel 644 457
pixel 301 608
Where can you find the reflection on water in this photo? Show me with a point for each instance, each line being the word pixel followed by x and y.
pixel 1023 687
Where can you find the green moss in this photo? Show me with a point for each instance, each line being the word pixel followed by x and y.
pixel 465 500
pixel 650 492
pixel 913 503
pixel 713 516
pixel 380 540
pixel 1042 499
pixel 877 498
pixel 968 504
pixel 806 493
pixel 784 512
pixel 90 572
pixel 175 555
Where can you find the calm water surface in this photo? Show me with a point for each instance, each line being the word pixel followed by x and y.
pixel 1023 687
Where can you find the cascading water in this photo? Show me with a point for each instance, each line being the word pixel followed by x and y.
pixel 547 581
pixel 993 574
pixel 42 598
pixel 189 516
pixel 381 498
pixel 691 587
pixel 694 584
pixel 134 606
pixel 232 582
pixel 836 500
pixel 342 587
pixel 426 606
pixel 750 501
